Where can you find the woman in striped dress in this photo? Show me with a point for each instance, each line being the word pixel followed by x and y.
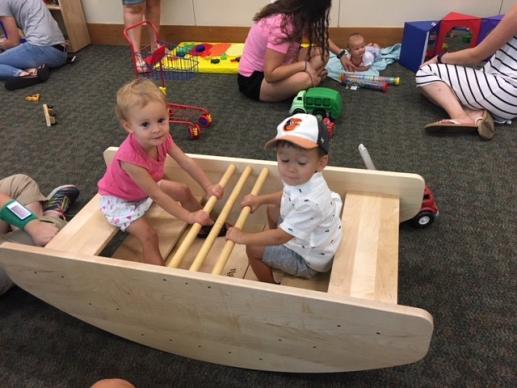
pixel 472 96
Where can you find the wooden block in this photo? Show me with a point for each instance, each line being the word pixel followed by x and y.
pixel 366 263
pixel 50 115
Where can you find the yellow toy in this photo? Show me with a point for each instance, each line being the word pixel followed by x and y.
pixel 33 98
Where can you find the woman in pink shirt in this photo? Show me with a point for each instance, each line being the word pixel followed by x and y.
pixel 135 178
pixel 274 66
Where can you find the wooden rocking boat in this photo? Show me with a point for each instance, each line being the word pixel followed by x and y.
pixel 208 305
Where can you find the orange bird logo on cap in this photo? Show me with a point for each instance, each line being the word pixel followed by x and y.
pixel 292 124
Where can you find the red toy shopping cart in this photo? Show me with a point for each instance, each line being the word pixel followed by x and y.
pixel 163 62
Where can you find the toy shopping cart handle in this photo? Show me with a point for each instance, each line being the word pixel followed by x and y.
pixel 139 25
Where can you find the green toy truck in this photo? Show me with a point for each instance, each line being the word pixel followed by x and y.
pixel 323 102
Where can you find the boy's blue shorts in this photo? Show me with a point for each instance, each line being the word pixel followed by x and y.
pixel 288 261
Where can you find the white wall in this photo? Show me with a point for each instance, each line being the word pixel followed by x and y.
pixel 344 13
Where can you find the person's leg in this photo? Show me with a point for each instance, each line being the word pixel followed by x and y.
pixel 152 14
pixel 263 272
pixel 442 95
pixel 148 237
pixel 14 61
pixel 22 188
pixel 282 90
pixel 7 71
pixel 456 89
pixel 26 191
pixel 59 201
pixel 133 14
pixel 26 56
pixel 181 193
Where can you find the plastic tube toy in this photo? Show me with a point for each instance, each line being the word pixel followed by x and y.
pixel 368 77
pixel 375 85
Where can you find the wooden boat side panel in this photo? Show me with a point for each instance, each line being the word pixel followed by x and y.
pixel 222 320
pixel 408 187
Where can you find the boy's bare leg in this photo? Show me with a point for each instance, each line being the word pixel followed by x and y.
pixel 263 271
pixel 148 237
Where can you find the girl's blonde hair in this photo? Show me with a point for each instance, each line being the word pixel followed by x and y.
pixel 136 94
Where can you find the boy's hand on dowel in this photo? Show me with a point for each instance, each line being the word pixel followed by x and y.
pixel 236 235
pixel 252 201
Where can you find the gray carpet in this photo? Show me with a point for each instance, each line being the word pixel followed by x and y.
pixel 461 269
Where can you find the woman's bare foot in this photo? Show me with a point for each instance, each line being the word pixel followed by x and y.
pixel 475 115
pixel 28 73
pixel 464 121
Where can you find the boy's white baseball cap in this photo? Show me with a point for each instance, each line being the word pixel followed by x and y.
pixel 304 130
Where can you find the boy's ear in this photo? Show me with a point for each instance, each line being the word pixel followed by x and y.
pixel 324 160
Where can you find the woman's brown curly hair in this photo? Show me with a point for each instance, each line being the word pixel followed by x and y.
pixel 310 19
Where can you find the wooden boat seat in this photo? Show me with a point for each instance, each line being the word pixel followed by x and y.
pixel 88 232
pixel 366 264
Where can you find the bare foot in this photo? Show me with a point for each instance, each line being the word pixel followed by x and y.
pixel 28 73
pixel 466 121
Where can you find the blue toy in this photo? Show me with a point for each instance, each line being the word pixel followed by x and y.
pixel 487 25
pixel 415 42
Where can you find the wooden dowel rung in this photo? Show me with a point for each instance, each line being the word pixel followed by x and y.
pixel 218 225
pixel 194 230
pixel 243 216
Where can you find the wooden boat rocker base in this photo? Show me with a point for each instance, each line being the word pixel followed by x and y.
pixel 207 304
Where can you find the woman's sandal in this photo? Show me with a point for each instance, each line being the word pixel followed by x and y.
pixel 484 126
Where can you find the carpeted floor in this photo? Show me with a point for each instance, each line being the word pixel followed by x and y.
pixel 461 269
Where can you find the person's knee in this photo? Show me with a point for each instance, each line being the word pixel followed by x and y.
pixel 21 181
pixel 254 252
pixel 184 193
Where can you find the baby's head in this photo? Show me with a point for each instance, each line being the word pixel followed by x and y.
pixel 302 146
pixel 356 45
pixel 135 95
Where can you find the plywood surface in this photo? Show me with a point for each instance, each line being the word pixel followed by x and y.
pixel 220 319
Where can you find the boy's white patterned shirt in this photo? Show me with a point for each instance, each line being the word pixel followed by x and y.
pixel 311 213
